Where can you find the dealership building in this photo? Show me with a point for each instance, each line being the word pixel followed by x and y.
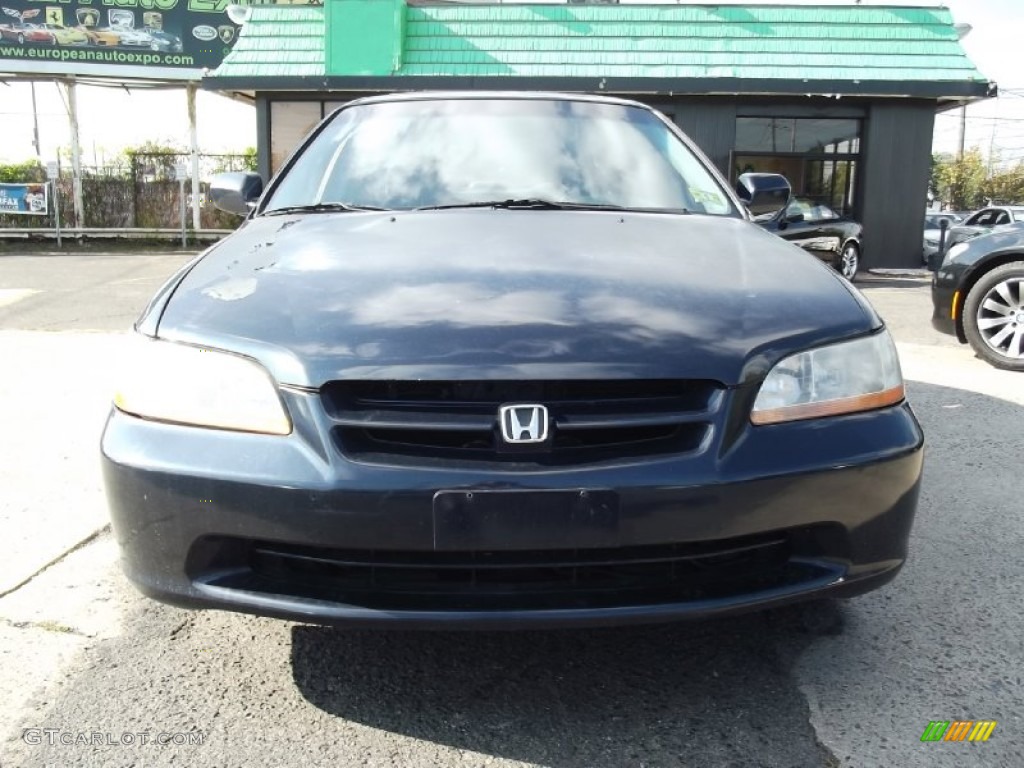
pixel 840 99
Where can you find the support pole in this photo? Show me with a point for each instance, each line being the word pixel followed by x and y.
pixel 56 210
pixel 76 153
pixel 194 143
pixel 181 196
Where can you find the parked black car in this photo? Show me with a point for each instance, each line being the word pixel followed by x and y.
pixel 817 228
pixel 978 296
pixel 504 360
pixel 164 41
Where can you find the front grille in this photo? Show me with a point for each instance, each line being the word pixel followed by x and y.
pixel 430 422
pixel 506 580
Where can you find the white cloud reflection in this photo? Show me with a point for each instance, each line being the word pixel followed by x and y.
pixel 459 304
pixel 446 152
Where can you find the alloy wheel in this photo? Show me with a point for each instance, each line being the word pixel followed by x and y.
pixel 1000 318
pixel 850 261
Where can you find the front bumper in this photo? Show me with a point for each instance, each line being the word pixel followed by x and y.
pixel 943 291
pixel 286 527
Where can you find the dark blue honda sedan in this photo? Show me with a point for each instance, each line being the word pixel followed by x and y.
pixel 505 360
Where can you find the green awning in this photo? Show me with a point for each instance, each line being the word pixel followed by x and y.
pixel 278 41
pixel 754 49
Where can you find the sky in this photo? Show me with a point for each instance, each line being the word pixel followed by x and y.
pixel 993 44
pixel 112 118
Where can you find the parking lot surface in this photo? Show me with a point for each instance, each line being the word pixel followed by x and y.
pixel 91 673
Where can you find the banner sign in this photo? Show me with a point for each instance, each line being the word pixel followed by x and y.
pixel 25 198
pixel 66 35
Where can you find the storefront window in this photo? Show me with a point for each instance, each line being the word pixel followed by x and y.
pixel 818 156
pixel 796 134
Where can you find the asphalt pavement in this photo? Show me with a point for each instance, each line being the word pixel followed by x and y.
pixel 93 674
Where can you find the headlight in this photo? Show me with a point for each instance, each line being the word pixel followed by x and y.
pixel 841 378
pixel 955 251
pixel 184 384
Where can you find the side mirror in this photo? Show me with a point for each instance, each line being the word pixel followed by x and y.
pixel 236 192
pixel 763 193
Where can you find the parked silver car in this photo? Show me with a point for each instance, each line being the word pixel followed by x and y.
pixel 984 221
pixel 933 230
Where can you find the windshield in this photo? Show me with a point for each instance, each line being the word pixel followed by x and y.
pixel 452 152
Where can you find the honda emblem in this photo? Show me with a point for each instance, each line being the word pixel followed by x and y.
pixel 524 423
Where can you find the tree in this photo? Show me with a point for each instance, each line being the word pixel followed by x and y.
pixel 22 172
pixel 152 161
pixel 1006 186
pixel 960 182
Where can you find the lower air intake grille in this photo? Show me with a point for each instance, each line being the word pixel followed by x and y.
pixel 532 580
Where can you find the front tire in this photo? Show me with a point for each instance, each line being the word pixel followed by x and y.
pixel 849 261
pixel 994 317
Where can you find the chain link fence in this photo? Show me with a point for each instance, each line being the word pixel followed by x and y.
pixel 139 192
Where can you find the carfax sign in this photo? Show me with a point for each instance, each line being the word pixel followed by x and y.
pixel 24 198
pixel 89 36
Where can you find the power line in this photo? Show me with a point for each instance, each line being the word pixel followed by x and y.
pixel 982 117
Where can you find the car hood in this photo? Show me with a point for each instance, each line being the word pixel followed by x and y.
pixel 1005 239
pixel 483 293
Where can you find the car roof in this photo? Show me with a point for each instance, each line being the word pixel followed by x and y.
pixel 504 95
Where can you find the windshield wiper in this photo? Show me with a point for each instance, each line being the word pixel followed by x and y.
pixel 321 208
pixel 540 204
pixel 512 202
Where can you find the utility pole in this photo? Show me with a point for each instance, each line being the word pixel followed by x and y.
pixel 962 31
pixel 963 132
pixel 958 187
pixel 992 142
pixel 35 122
